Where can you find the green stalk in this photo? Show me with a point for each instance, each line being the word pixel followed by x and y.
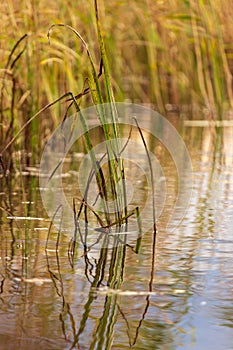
pixel 115 172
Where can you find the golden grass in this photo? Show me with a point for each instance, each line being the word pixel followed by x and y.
pixel 165 53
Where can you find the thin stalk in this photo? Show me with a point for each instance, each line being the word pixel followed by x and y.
pixel 139 239
pixel 200 69
pixel 151 177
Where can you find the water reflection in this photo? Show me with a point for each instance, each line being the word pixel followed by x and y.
pixel 57 296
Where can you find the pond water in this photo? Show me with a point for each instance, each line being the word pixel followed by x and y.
pixel 178 296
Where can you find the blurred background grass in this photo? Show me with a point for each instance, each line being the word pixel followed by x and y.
pixel 176 55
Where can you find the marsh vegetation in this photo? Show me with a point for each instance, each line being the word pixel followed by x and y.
pixel 176 56
pixel 92 286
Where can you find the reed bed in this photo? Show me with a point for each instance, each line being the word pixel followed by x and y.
pixel 110 185
pixel 165 53
pixel 168 54
pixel 176 55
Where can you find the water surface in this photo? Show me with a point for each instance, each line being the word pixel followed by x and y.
pixel 51 299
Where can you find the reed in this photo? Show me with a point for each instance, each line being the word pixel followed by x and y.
pixel 166 53
pixel 179 53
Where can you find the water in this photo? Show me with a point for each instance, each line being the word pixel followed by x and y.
pixel 186 302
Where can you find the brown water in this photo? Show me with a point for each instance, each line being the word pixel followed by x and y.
pixel 117 301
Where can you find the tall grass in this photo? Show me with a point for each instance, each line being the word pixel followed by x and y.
pixel 169 54
pixel 176 52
